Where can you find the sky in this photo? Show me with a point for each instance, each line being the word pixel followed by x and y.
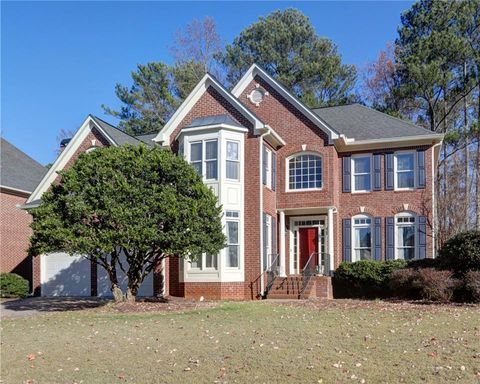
pixel 60 61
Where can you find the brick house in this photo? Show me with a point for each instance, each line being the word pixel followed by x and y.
pixel 302 189
pixel 19 175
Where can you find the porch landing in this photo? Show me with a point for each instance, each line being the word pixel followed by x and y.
pixel 294 287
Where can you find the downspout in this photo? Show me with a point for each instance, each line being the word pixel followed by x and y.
pixel 435 155
pixel 266 132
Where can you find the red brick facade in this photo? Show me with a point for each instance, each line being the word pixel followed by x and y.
pixel 15 233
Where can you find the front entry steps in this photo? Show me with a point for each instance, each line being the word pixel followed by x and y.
pixel 291 288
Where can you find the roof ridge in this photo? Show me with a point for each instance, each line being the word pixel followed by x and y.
pixel 114 127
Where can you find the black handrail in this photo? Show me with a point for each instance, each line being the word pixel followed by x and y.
pixel 272 272
pixel 317 264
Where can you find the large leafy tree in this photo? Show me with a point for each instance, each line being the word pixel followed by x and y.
pixel 128 203
pixel 287 46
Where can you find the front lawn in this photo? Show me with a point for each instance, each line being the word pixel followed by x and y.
pixel 264 342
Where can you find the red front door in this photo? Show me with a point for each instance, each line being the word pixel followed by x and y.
pixel 308 244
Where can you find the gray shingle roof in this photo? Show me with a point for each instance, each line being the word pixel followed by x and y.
pixel 117 135
pixel 147 139
pixel 217 119
pixel 17 169
pixel 359 122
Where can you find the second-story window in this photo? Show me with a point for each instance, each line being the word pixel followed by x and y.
pixel 204 158
pixel 362 173
pixel 305 172
pixel 404 170
pixel 233 160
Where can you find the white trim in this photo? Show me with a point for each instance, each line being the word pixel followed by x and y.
pixel 415 171
pixel 346 144
pixel 65 156
pixel 255 70
pixel 14 189
pixel 207 81
pixel 287 172
pixel 352 172
pixel 282 242
pixel 331 241
pixel 212 126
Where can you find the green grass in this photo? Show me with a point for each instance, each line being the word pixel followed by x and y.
pixel 247 343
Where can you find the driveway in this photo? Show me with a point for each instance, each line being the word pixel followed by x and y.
pixel 40 305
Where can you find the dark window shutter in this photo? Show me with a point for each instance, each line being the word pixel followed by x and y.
pixel 377 172
pixel 389 172
pixel 347 240
pixel 422 237
pixel 265 240
pixel 346 174
pixel 378 238
pixel 390 237
pixel 421 169
pixel 264 165
pixel 274 236
pixel 274 171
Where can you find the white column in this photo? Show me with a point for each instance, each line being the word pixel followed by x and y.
pixel 330 239
pixel 282 243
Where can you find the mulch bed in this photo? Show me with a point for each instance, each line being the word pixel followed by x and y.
pixel 172 304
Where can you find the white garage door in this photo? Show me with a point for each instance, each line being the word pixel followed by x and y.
pixel 65 275
pixel 104 285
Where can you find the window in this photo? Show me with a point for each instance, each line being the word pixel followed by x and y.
pixel 305 172
pixel 232 244
pixel 362 173
pixel 404 170
pixel 204 262
pixel 233 160
pixel 268 167
pixel 209 161
pixel 362 238
pixel 235 214
pixel 405 232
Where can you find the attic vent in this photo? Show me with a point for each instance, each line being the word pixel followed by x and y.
pixel 257 95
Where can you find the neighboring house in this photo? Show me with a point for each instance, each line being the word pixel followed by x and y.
pixel 19 175
pixel 302 189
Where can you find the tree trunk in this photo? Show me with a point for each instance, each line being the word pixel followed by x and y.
pixel 467 159
pixel 117 293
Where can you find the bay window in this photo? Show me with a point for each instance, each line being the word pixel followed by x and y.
pixel 233 160
pixel 204 156
pixel 232 244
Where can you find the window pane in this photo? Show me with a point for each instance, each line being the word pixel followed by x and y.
pixel 406 179
pixel 196 152
pixel 363 254
pixel 211 169
pixel 363 237
pixel 211 150
pixel 232 150
pixel 198 167
pixel 361 165
pixel 406 236
pixel 232 257
pixel 210 261
pixel 406 253
pixel 232 232
pixel 362 182
pixel 405 162
pixel 233 168
pixel 197 263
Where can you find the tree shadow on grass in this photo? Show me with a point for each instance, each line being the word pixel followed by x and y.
pixel 54 304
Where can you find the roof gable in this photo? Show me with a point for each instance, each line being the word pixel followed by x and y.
pixel 18 170
pixel 206 82
pixel 255 70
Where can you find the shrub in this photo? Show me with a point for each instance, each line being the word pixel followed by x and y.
pixel 435 285
pixel 472 286
pixel 365 278
pixel 423 263
pixel 461 253
pixel 13 285
pixel 401 284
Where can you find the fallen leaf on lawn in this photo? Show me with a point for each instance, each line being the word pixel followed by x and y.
pixel 31 357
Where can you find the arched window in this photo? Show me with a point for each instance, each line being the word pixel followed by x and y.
pixel 362 238
pixel 305 172
pixel 406 236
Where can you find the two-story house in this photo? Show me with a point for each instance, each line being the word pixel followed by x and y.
pixel 302 189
